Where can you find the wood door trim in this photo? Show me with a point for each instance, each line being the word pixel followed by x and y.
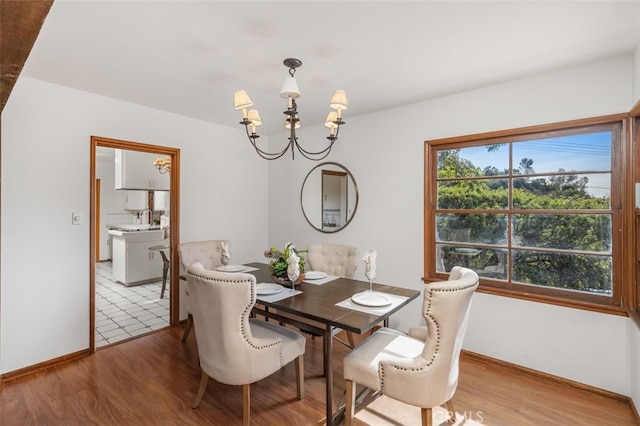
pixel 174 228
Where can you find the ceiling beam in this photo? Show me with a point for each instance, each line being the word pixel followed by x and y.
pixel 20 23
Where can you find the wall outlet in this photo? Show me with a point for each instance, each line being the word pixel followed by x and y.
pixel 76 218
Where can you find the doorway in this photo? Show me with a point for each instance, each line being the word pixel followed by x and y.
pixel 159 206
pixel 335 190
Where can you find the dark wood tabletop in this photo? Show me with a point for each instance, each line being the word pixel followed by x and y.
pixel 318 302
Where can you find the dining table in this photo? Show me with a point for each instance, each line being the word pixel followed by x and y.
pixel 321 306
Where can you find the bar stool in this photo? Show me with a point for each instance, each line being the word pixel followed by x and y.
pixel 165 265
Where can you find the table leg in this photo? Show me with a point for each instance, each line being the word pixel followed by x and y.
pixel 328 373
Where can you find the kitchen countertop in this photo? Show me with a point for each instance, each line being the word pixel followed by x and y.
pixel 132 227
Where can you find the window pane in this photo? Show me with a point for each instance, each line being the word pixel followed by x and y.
pixel 563 270
pixel 487 160
pixel 472 228
pixel 488 263
pixel 564 232
pixel 473 194
pixel 589 151
pixel 567 192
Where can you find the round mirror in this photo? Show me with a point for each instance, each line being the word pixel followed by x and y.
pixel 329 197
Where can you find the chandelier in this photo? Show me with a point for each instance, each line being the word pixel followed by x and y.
pixel 251 119
pixel 163 164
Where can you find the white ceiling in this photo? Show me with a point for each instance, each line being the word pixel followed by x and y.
pixel 189 57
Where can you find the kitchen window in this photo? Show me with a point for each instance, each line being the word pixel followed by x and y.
pixel 533 211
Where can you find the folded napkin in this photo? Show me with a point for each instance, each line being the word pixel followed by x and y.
pixel 225 253
pixel 293 270
pixel 370 264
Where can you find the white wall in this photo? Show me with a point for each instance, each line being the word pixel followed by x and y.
pixel 636 75
pixel 634 332
pixel 385 153
pixel 44 277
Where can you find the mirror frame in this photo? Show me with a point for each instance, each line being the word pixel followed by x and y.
pixel 355 187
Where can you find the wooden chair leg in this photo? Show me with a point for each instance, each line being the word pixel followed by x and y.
pixel 427 419
pixel 187 328
pixel 350 339
pixel 246 405
pixel 451 412
pixel 204 379
pixel 350 401
pixel 300 376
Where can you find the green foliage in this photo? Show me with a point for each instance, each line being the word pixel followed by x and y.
pixel 588 265
pixel 279 265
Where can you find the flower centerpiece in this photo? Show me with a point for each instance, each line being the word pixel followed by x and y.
pixel 278 264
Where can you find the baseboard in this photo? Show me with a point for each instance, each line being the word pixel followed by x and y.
pixel 44 365
pixel 553 379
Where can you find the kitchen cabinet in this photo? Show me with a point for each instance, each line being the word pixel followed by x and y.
pixel 135 170
pixel 133 262
pixel 135 200
pixel 161 201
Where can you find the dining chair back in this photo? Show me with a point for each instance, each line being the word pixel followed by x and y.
pixel 233 348
pixel 209 254
pixel 334 259
pixel 420 368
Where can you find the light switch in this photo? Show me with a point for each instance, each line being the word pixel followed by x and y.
pixel 76 218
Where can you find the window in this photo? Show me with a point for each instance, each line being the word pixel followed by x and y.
pixel 532 211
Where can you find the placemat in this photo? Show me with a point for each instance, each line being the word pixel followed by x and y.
pixel 287 292
pixel 321 281
pixel 395 301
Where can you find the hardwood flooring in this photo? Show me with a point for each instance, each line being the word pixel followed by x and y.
pixel 152 380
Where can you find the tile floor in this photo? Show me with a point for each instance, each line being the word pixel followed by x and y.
pixel 123 312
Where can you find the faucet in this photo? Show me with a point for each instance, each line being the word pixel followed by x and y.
pixel 150 215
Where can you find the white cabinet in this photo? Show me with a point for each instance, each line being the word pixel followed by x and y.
pixel 135 200
pixel 161 201
pixel 135 170
pixel 133 262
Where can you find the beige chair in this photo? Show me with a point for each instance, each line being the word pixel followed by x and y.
pixel 421 368
pixel 209 254
pixel 334 259
pixel 233 348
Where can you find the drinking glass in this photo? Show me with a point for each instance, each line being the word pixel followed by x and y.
pixel 370 276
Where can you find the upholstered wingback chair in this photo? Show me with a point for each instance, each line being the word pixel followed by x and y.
pixel 235 349
pixel 420 368
pixel 334 259
pixel 209 254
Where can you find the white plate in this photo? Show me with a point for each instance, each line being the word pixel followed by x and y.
pixel 314 275
pixel 268 288
pixel 230 268
pixel 370 298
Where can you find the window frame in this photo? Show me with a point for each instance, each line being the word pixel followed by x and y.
pixel 622 250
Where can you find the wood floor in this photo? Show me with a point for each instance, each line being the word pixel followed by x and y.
pixel 152 380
